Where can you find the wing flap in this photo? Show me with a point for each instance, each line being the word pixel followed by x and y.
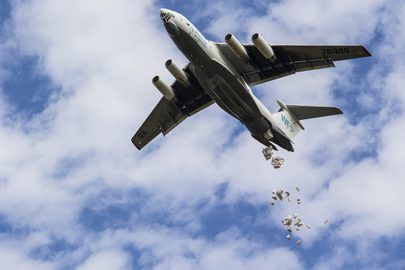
pixel 164 117
pixel 334 52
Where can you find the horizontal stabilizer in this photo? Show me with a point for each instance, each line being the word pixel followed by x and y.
pixel 289 116
pixel 307 112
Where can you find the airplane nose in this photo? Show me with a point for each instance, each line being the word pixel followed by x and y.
pixel 169 24
pixel 164 10
pixel 172 29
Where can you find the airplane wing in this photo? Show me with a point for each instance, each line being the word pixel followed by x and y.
pixel 167 114
pixel 289 60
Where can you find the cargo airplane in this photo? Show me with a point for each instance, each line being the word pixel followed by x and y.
pixel 223 73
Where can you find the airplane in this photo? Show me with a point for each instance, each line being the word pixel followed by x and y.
pixel 223 73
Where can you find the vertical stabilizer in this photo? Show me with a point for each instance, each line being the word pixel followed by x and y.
pixel 287 123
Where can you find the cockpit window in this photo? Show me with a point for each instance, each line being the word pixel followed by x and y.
pixel 166 17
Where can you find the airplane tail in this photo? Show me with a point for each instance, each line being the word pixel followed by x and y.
pixel 289 116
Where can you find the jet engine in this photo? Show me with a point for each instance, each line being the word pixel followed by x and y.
pixel 165 89
pixel 263 47
pixel 237 47
pixel 177 72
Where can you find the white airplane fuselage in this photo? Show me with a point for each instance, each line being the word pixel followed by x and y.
pixel 217 76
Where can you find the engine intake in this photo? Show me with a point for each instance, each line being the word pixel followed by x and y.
pixel 237 47
pixel 163 88
pixel 177 72
pixel 263 47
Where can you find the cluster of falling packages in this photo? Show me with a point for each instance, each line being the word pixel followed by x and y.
pixel 276 162
pixel 292 223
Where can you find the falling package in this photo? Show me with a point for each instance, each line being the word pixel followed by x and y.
pixel 298 242
pixel 276 162
pixel 280 194
pixel 287 221
pixel 288 237
pixel 267 153
pixel 299 224
pixel 294 221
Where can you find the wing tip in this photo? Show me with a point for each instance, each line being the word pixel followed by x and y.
pixel 368 53
pixel 136 143
pixel 339 111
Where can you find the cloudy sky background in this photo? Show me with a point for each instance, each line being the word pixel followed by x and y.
pixel 75 84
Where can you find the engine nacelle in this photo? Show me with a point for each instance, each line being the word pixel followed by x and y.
pixel 165 89
pixel 177 72
pixel 263 47
pixel 237 47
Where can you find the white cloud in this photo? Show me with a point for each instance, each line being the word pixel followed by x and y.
pixel 103 54
pixel 170 249
pixel 13 257
pixel 106 260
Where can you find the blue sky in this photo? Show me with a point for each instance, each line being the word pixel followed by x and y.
pixel 75 194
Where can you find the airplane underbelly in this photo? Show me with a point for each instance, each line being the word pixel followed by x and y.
pixel 222 86
pixel 232 96
pixel 225 95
